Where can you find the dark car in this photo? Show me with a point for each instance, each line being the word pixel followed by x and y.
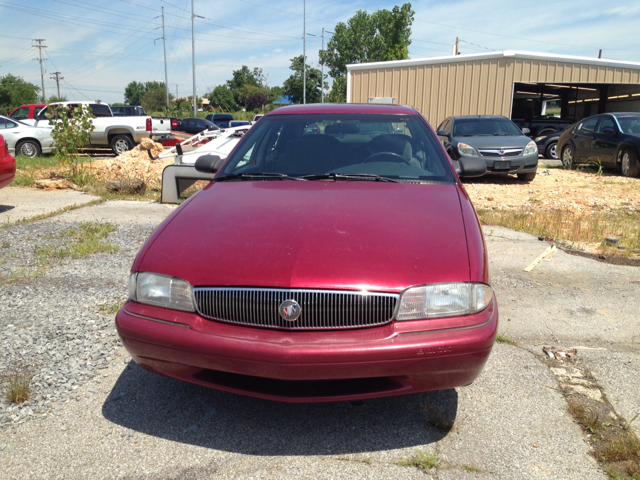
pixel 238 123
pixel 495 139
pixel 608 139
pixel 7 164
pixel 547 145
pixel 196 125
pixel 317 268
pixel 220 119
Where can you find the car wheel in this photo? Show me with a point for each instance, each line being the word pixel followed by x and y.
pixel 121 144
pixel 568 155
pixel 28 148
pixel 527 177
pixel 629 164
pixel 551 151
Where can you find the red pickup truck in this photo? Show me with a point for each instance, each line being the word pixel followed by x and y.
pixel 26 113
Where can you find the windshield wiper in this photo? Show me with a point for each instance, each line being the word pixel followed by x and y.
pixel 350 176
pixel 257 176
pixel 503 134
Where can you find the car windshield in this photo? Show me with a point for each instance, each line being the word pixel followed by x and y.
pixel 340 146
pixel 478 127
pixel 629 124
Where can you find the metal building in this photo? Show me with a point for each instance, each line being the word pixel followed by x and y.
pixel 509 83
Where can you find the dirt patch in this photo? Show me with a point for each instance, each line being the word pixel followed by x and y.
pixel 557 189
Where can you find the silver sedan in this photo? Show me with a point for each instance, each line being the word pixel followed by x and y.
pixel 23 139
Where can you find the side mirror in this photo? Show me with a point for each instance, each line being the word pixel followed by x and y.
pixel 209 163
pixel 442 133
pixel 526 131
pixel 471 167
pixel 608 131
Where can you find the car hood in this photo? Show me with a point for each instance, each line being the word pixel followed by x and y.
pixel 316 234
pixel 499 141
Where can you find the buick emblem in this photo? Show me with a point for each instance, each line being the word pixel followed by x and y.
pixel 501 152
pixel 290 310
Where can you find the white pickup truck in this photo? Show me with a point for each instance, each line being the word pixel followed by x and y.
pixel 120 133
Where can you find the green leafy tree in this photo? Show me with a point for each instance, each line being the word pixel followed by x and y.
pixel 338 93
pixel 134 92
pixel 56 99
pixel 155 100
pixel 71 132
pixel 383 35
pixel 274 93
pixel 222 98
pixel 14 91
pixel 241 82
pixel 294 85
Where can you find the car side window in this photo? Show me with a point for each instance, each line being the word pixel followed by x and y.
pixel 589 125
pixel 21 113
pixel 3 125
pixel 201 124
pixel 605 122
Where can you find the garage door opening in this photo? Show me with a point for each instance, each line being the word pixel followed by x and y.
pixel 571 101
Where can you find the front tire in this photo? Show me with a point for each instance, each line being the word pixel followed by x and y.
pixel 121 144
pixel 527 177
pixel 568 156
pixel 551 151
pixel 629 166
pixel 28 148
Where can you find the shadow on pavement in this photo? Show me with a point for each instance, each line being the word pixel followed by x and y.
pixel 195 415
pixel 6 208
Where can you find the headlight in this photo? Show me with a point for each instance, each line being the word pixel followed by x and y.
pixel 443 300
pixel 537 139
pixel 467 150
pixel 161 291
pixel 530 148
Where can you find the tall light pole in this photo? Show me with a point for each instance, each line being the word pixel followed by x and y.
pixel 193 59
pixel 164 46
pixel 322 76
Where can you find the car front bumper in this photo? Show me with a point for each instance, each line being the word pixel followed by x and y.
pixel 7 170
pixel 519 164
pixel 309 366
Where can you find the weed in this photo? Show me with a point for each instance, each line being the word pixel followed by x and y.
pixel 111 309
pixel 88 238
pixel 16 384
pixel 436 417
pixel 471 468
pixel 503 338
pixel 424 461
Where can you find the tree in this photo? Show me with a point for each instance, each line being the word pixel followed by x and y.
pixel 56 99
pixel 222 98
pixel 294 85
pixel 155 100
pixel 338 93
pixel 71 132
pixel 256 101
pixel 14 91
pixel 242 82
pixel 383 35
pixel 134 92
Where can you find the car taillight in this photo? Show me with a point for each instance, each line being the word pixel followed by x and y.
pixel 148 124
pixel 174 124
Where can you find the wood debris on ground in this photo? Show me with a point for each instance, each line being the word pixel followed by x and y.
pixel 137 165
pixel 553 352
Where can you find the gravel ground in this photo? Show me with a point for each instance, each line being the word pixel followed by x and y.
pixel 66 347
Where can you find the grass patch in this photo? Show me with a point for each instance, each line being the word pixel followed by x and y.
pixel 16 384
pixel 28 169
pixel 421 460
pixel 86 239
pixel 613 442
pixel 572 228
pixel 436 417
pixel 503 338
pixel 111 309
pixel 44 216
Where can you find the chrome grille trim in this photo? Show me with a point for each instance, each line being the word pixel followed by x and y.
pixel 507 152
pixel 321 309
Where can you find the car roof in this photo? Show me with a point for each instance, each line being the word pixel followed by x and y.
pixel 354 108
pixel 488 117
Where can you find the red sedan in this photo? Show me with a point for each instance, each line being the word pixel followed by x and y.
pixel 7 165
pixel 339 265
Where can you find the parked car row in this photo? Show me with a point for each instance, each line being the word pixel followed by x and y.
pixel 23 139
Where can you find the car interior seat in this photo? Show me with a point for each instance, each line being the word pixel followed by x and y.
pixel 399 144
pixel 312 154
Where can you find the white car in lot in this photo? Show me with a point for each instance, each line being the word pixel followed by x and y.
pixel 23 139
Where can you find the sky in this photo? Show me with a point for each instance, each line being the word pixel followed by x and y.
pixel 99 47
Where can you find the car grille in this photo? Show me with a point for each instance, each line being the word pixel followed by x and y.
pixel 507 152
pixel 321 309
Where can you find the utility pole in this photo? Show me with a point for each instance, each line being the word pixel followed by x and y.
pixel 177 91
pixel 304 52
pixel 56 76
pixel 193 59
pixel 164 46
pixel 322 76
pixel 40 46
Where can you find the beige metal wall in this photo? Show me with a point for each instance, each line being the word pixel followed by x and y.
pixel 473 87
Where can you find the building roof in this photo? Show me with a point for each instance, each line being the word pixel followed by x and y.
pixel 552 57
pixel 344 108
